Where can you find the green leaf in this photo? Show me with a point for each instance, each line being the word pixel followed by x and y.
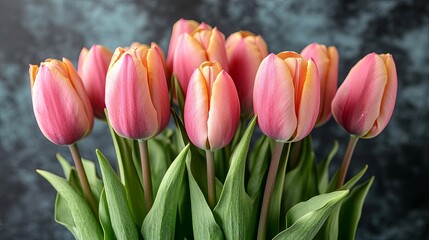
pixel 160 156
pixel 323 169
pixel 234 209
pixel 301 181
pixel 274 212
pixel 66 166
pixel 94 181
pixel 104 217
pixel 129 176
pixel 258 165
pixel 63 215
pixel 160 221
pixel 86 225
pixel 351 210
pixel 305 219
pixel 203 222
pixel 350 183
pixel 176 93
pixel 331 228
pixel 120 215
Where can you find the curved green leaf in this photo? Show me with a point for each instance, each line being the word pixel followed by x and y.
pixel 351 210
pixel 323 169
pixel 305 219
pixel 86 225
pixel 203 222
pixel 120 215
pixel 160 220
pixel 234 209
pixel 104 217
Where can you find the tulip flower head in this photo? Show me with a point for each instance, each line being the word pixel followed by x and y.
pixel 203 44
pixel 60 103
pixel 137 99
pixel 286 96
pixel 365 100
pixel 212 108
pixel 245 52
pixel 326 59
pixel 92 69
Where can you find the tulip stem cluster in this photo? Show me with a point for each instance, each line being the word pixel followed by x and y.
pixel 211 179
pixel 269 186
pixel 147 179
pixel 346 160
pixel 83 178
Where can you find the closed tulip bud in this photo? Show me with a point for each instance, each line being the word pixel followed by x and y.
pixel 203 44
pixel 286 96
pixel 245 52
pixel 326 59
pixel 365 100
pixel 212 108
pixel 61 106
pixel 137 99
pixel 92 69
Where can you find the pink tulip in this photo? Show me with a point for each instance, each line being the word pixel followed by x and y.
pixel 203 44
pixel 326 59
pixel 212 108
pixel 137 97
pixel 61 106
pixel 286 96
pixel 92 69
pixel 365 100
pixel 245 52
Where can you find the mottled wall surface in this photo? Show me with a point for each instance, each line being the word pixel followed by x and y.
pixel 31 31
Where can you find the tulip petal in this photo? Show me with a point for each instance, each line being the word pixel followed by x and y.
pixel 243 60
pixel 273 99
pixel 188 56
pixel 158 87
pixel 80 90
pixel 309 101
pixel 216 49
pixel 329 87
pixel 389 97
pixel 196 110
pixel 224 112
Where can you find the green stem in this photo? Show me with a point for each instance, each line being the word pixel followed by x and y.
pixel 83 178
pixel 211 179
pixel 269 186
pixel 147 179
pixel 346 160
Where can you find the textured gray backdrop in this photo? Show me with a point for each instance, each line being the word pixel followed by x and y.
pixel 31 31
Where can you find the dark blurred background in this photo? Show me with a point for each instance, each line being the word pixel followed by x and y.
pixel 31 31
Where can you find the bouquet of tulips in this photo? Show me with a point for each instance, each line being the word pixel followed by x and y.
pixel 222 151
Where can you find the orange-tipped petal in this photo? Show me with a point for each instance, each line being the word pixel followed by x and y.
pixel 309 102
pixel 196 110
pixel 224 112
